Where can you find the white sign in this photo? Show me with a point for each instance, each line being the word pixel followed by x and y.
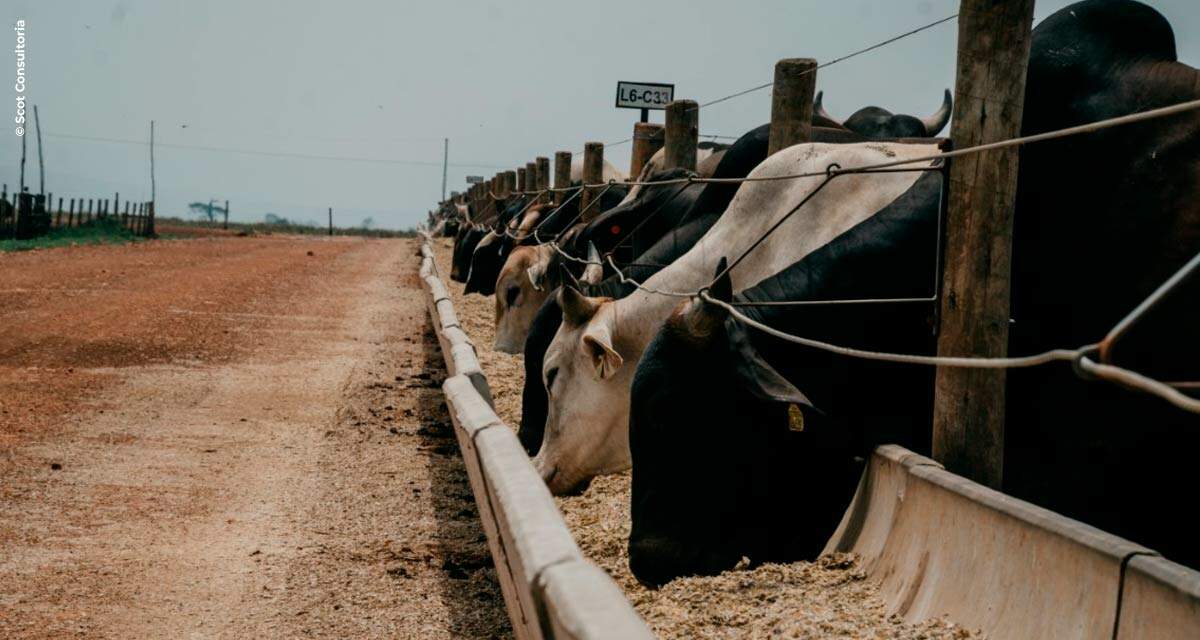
pixel 644 95
pixel 474 179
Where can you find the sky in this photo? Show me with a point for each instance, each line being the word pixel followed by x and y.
pixel 300 105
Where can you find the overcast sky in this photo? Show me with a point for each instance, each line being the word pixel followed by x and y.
pixel 505 81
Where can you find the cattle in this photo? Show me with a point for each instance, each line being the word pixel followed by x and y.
pixel 589 365
pixel 879 123
pixel 549 220
pixel 754 453
pixel 741 158
pixel 707 475
pixel 464 247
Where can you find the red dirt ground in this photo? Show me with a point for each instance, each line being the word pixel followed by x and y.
pixel 230 437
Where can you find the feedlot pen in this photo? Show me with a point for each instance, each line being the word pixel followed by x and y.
pixel 830 598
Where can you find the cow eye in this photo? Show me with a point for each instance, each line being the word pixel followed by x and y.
pixel 550 375
pixel 510 297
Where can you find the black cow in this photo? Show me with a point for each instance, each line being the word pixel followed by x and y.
pixel 714 499
pixel 464 247
pixel 718 474
pixel 878 123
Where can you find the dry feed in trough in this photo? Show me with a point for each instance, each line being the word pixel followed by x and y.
pixel 829 598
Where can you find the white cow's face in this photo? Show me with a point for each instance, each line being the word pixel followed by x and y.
pixel 587 382
pixel 520 291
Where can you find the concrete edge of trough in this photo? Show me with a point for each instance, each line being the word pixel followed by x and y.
pixel 939 544
pixel 550 590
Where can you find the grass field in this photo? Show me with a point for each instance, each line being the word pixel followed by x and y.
pixel 107 231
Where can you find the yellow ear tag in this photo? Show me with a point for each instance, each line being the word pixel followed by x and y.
pixel 795 418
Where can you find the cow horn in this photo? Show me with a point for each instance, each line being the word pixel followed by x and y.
pixel 937 121
pixel 577 308
pixel 819 109
pixel 593 272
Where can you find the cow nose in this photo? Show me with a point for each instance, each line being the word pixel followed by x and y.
pixel 656 560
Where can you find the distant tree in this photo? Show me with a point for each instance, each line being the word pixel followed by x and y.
pixel 271 218
pixel 368 222
pixel 206 210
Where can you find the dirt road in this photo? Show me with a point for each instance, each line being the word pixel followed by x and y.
pixel 230 437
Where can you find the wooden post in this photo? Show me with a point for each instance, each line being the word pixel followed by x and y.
pixel 510 182
pixel 968 417
pixel 60 212
pixel 116 203
pixel 562 175
pixel 89 211
pixel 647 140
pixel 792 103
pixel 125 216
pixel 520 178
pixel 683 128
pixel 225 224
pixel 593 173
pixel 149 230
pixel 543 173
pixel 531 180
pixel 330 221
pixel 71 214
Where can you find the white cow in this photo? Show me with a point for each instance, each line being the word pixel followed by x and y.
pixel 589 366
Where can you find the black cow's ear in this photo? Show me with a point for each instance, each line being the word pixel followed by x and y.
pixel 577 308
pixel 756 375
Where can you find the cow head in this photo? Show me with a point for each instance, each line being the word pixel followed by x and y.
pixel 521 289
pixel 723 454
pixel 586 380
pixel 876 122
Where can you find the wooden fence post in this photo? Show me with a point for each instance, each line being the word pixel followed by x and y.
pixel 149 230
pixel 593 173
pixel 968 417
pixel 521 179
pixel 125 216
pixel 510 183
pixel 647 140
pixel 71 215
pixel 543 171
pixel 331 221
pixel 60 212
pixel 89 212
pixel 531 177
pixel 792 103
pixel 683 129
pixel 562 175
pixel 225 224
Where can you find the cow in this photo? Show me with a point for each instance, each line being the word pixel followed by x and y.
pixel 589 365
pixel 741 158
pixel 718 460
pixel 707 475
pixel 549 220
pixel 879 123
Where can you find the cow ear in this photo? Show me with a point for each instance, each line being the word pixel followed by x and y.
pixel 577 308
pixel 537 275
pixel 606 360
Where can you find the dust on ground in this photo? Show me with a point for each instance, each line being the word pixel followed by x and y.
pixel 231 437
pixel 830 598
